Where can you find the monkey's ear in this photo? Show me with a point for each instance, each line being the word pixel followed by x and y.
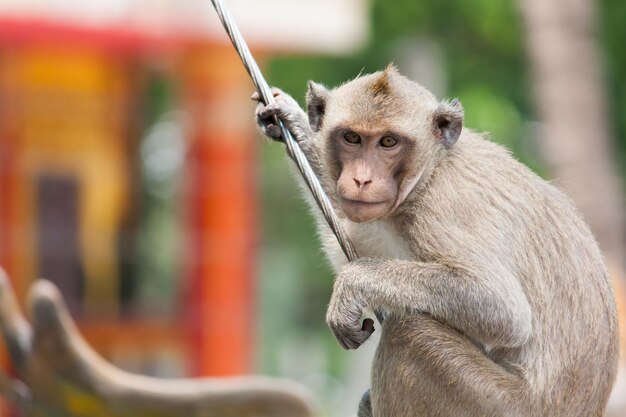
pixel 316 98
pixel 448 121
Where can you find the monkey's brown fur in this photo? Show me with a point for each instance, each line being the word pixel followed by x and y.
pixel 497 298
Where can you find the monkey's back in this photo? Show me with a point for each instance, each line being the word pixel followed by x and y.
pixel 481 202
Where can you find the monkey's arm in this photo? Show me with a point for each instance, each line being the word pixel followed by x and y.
pixel 489 307
pixel 295 120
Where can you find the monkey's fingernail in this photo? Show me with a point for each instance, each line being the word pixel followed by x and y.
pixel 255 96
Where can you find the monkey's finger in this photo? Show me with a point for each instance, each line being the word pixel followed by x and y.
pixel 361 336
pixel 257 97
pixel 267 113
pixel 340 336
pixel 259 109
pixel 273 131
pixel 270 110
pixel 354 337
pixel 276 92
pixel 351 342
pixel 267 124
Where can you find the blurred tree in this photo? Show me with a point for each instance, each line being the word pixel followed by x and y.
pixel 612 31
pixel 576 135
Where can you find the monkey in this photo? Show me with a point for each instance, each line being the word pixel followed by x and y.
pixel 496 298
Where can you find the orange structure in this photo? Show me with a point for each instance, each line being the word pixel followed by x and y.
pixel 72 127
pixel 222 204
pixel 127 162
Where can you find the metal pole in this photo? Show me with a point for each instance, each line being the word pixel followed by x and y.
pixel 294 149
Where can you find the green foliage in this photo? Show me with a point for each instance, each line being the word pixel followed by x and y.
pixel 482 49
pixel 613 35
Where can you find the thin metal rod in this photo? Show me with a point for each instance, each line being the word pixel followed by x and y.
pixel 294 149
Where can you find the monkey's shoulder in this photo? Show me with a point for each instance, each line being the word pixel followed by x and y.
pixel 481 195
pixel 479 169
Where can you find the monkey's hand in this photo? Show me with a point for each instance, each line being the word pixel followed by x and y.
pixel 287 110
pixel 345 309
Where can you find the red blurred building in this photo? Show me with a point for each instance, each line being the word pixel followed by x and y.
pixel 95 95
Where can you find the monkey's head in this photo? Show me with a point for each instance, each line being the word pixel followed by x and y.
pixel 381 134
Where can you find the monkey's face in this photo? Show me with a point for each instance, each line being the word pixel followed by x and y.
pixel 369 172
pixel 379 133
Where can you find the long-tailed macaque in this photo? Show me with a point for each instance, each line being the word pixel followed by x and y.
pixel 497 300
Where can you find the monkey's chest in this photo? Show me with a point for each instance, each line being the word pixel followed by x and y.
pixel 377 239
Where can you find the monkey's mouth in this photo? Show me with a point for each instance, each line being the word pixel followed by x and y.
pixel 356 201
pixel 363 210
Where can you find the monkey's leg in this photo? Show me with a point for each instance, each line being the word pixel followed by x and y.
pixel 424 368
pixel 365 406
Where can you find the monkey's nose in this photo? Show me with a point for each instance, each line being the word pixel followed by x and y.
pixel 362 183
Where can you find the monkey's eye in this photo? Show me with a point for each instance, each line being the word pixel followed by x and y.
pixel 388 142
pixel 352 138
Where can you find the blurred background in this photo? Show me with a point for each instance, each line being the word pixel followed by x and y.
pixel 132 177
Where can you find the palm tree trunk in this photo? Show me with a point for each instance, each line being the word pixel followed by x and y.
pixel 575 137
